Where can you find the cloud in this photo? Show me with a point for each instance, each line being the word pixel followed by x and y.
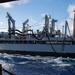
pixel 2 27
pixel 60 25
pixel 23 1
pixel 1 23
pixel 36 24
pixel 43 15
pixel 11 4
pixel 33 21
pixel 70 23
pixel 7 5
pixel 70 10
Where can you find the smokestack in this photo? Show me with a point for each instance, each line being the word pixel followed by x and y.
pixel 53 24
pixel 74 27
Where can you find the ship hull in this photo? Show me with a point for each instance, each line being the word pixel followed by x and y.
pixel 39 49
pixel 33 53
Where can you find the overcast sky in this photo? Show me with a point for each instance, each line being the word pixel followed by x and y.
pixel 34 10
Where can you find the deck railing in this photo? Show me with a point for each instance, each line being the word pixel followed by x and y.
pixel 2 69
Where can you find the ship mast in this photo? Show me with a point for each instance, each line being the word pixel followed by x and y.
pixel 46 24
pixel 74 26
pixel 66 25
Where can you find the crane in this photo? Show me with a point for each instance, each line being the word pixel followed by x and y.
pixel 24 23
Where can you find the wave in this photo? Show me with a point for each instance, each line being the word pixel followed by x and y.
pixel 26 64
pixel 25 59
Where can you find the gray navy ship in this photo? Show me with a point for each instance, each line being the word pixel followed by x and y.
pixel 48 42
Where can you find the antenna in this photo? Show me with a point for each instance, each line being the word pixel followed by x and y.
pixel 74 25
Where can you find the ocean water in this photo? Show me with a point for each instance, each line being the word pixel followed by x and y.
pixel 37 65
